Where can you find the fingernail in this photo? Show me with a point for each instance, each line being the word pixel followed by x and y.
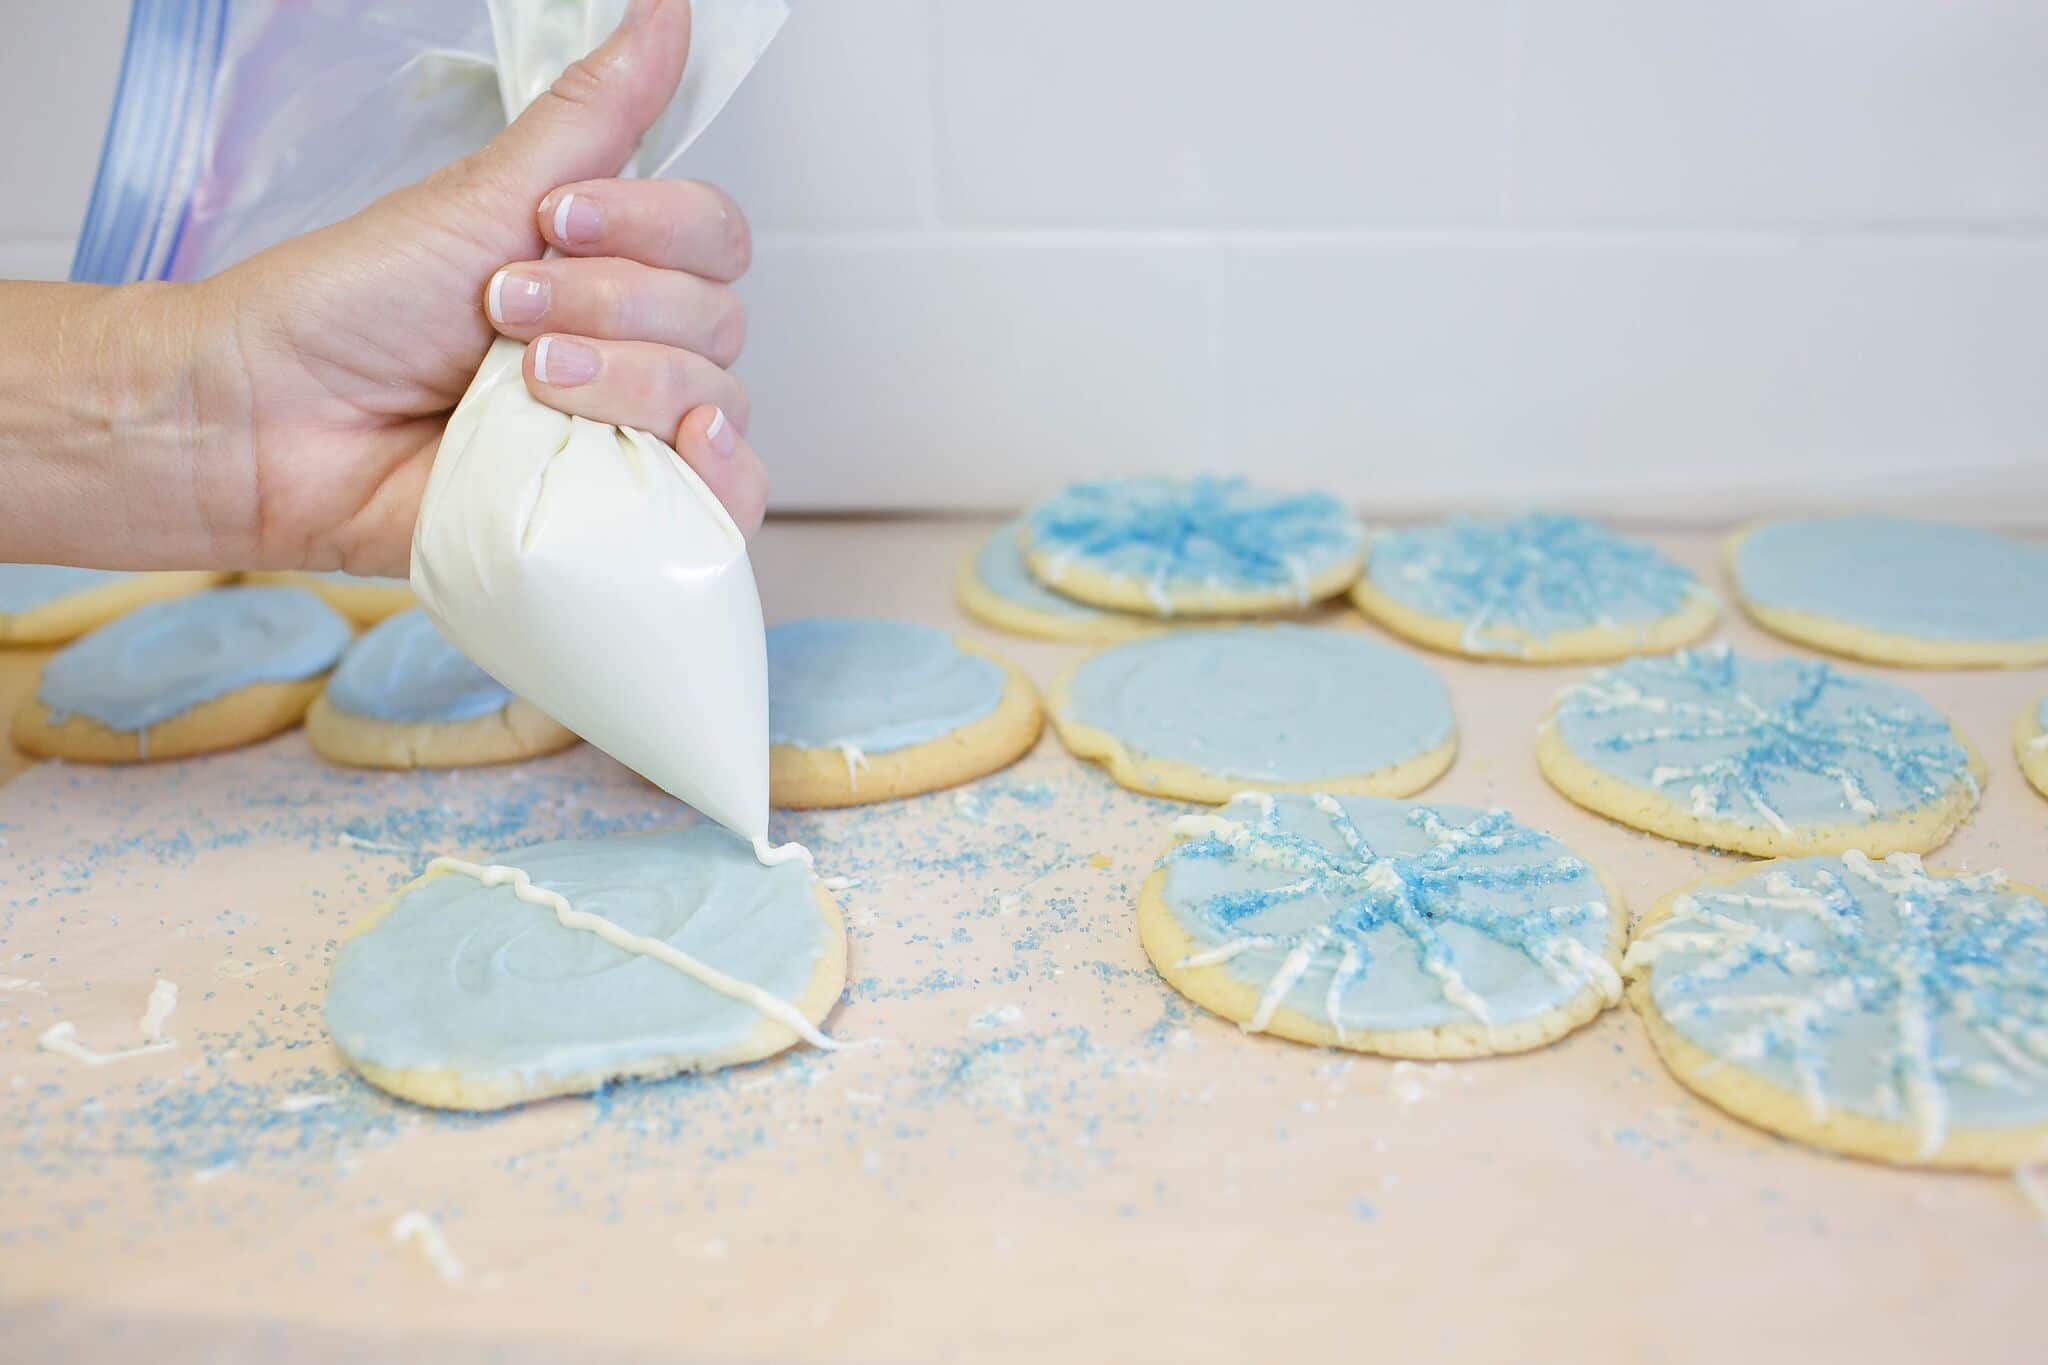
pixel 576 220
pixel 516 298
pixel 563 363
pixel 721 435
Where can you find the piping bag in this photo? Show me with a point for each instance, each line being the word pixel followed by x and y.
pixel 586 566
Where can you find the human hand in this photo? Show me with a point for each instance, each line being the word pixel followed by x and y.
pixel 353 343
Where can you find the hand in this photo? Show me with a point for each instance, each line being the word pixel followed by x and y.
pixel 355 342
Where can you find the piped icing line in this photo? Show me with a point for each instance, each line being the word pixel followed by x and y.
pixel 1183 533
pixel 1806 732
pixel 1408 892
pixel 1957 952
pixel 569 917
pixel 775 855
pixel 62 1037
pixel 421 1230
pixel 1518 581
pixel 855 761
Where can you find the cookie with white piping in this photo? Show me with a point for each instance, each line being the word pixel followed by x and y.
pixel 562 967
pixel 1200 546
pixel 994 586
pixel 2030 743
pixel 1539 588
pixel 1893 590
pixel 403 697
pixel 1393 927
pixel 52 604
pixel 1870 1008
pixel 1770 757
pixel 1202 715
pixel 363 599
pixel 863 710
pixel 191 675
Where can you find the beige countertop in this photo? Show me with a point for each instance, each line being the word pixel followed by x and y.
pixel 1044 1152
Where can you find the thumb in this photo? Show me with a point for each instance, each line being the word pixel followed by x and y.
pixel 588 122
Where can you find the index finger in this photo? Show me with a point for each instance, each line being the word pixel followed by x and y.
pixel 671 224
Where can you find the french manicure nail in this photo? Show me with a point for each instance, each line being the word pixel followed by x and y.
pixel 563 363
pixel 515 298
pixel 577 220
pixel 721 435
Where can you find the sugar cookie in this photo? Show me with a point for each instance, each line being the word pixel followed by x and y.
pixel 1383 926
pixel 1192 547
pixel 363 599
pixel 557 969
pixel 186 676
pixel 1532 589
pixel 403 697
pixel 993 586
pixel 863 710
pixel 52 604
pixel 1871 1008
pixel 2030 740
pixel 1767 757
pixel 1916 593
pixel 1202 715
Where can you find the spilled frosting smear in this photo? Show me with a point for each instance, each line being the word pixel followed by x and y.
pixel 1778 743
pixel 163 659
pixel 1923 579
pixel 1280 703
pixel 1373 915
pixel 24 587
pixel 866 686
pixel 1518 580
pixel 404 670
pixel 481 971
pixel 1175 535
pixel 1863 987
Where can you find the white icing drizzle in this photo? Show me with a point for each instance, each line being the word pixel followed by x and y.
pixel 855 758
pixel 62 1037
pixel 421 1229
pixel 19 983
pixel 1849 973
pixel 668 955
pixel 775 855
pixel 299 1104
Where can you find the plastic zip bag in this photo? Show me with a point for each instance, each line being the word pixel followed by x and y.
pixel 239 123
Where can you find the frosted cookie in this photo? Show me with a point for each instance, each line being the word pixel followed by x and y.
pixel 1871 1008
pixel 403 697
pixel 363 599
pixel 1535 589
pixel 1196 547
pixel 50 604
pixel 993 585
pixel 1203 715
pixel 1383 926
pixel 2031 742
pixel 863 710
pixel 562 967
pixel 1918 593
pixel 1760 756
pixel 187 676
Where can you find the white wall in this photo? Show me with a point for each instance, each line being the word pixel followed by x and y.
pixel 1683 258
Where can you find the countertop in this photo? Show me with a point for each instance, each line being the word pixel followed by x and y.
pixel 1039 1150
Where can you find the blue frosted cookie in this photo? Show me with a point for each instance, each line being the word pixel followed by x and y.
pixel 1760 756
pixel 1393 927
pixel 1871 1008
pixel 1198 546
pixel 1202 715
pixel 49 604
pixel 404 697
pixel 863 710
pixel 1536 589
pixel 993 585
pixel 185 676
pixel 556 969
pixel 362 598
pixel 1893 590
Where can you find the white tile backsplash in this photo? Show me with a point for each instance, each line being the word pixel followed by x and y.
pixel 1686 259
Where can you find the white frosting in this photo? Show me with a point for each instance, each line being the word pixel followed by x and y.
pixel 585 566
pixel 62 1038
